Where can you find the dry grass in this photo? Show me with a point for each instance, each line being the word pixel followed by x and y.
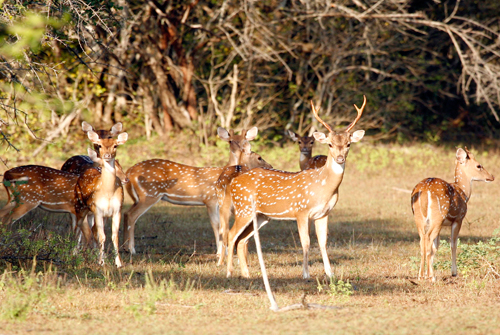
pixel 174 285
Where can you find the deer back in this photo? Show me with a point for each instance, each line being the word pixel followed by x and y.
pixel 41 184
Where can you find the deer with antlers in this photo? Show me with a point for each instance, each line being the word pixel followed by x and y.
pixel 306 161
pixel 264 194
pixel 247 162
pixel 436 203
pixel 101 193
pixel 158 179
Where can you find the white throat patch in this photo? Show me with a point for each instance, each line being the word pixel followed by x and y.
pixel 338 168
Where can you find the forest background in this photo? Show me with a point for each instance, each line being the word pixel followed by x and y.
pixel 430 69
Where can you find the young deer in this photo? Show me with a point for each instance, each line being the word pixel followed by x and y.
pixel 436 203
pixel 158 179
pixel 263 194
pixel 306 160
pixel 249 160
pixel 101 192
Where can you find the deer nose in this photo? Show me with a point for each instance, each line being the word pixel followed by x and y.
pixel 340 159
pixel 107 156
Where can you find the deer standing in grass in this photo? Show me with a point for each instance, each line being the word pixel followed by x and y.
pixel 306 161
pixel 264 194
pixel 247 162
pixel 436 203
pixel 47 188
pixel 159 179
pixel 101 193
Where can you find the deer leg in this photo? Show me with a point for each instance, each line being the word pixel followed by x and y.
pixel 14 211
pixel 115 228
pixel 240 224
pixel 423 245
pixel 101 237
pixel 303 225
pixel 131 216
pixel 224 214
pixel 431 249
pixel 213 215
pixel 84 228
pixel 455 229
pixel 242 244
pixel 322 234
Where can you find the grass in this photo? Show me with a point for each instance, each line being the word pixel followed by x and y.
pixel 174 286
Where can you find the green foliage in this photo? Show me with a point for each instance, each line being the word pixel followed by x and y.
pixel 21 245
pixel 477 260
pixel 338 289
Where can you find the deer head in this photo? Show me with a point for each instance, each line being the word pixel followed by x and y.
pixel 339 142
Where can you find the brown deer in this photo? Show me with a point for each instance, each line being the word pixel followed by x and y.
pixel 436 203
pixel 32 186
pixel 158 179
pixel 303 196
pixel 248 161
pixel 306 161
pixel 101 193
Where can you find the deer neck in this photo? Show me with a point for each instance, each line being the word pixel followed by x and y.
pixel 234 158
pixel 304 158
pixel 329 175
pixel 108 177
pixel 463 181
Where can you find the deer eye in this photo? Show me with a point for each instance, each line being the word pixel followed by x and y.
pixel 348 145
pixel 115 146
pixel 479 167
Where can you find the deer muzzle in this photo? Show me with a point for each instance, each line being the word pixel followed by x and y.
pixel 340 159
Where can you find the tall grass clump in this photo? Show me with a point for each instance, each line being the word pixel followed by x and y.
pixel 23 291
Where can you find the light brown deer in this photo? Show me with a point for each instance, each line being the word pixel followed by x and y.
pixel 263 194
pixel 306 161
pixel 436 203
pixel 158 179
pixel 248 161
pixel 101 193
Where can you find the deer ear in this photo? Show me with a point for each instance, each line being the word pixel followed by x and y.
pixel 86 126
pixel 246 148
pixel 320 137
pixel 252 133
pixel 357 135
pixel 122 138
pixel 461 155
pixel 93 136
pixel 116 128
pixel 223 134
pixel 93 155
pixel 292 135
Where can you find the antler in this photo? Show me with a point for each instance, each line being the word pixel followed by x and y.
pixel 360 112
pixel 317 118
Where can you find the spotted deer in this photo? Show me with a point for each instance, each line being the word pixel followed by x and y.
pixel 34 186
pixel 249 160
pixel 158 179
pixel 306 161
pixel 303 196
pixel 436 203
pixel 101 193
